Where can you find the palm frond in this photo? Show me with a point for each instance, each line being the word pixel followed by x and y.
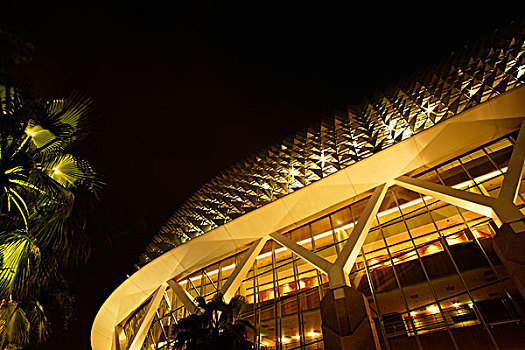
pixel 72 110
pixel 14 326
pixel 39 324
pixel 20 263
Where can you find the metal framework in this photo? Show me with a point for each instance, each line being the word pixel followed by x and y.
pixel 502 209
pixel 457 84
pixel 463 80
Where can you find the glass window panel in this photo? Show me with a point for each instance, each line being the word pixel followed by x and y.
pixel 266 286
pixel 430 176
pixel 267 325
pixel 452 173
pixel 477 163
pixel 500 153
pixel 282 254
pixel 227 266
pixel 286 280
pixel 395 232
pixel 358 207
pixel 307 275
pixel 341 218
pixel 320 226
pixel 324 239
pixel 373 241
pixel 264 259
pixel 328 253
pixel 302 236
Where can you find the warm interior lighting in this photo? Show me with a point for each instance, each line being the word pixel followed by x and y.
pixel 431 249
pixel 287 289
pixel 456 305
pixel 313 334
pixel 413 313
pixel 433 308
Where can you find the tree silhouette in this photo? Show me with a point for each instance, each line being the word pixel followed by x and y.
pixel 218 326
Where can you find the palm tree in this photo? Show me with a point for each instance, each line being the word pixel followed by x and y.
pixel 219 326
pixel 46 192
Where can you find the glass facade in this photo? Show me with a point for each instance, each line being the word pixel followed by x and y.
pixel 427 268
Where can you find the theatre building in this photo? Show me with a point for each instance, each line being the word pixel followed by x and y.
pixel 397 224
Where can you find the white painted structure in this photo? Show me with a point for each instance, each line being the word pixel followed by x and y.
pixel 475 127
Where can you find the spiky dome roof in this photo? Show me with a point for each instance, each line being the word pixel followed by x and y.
pixel 465 79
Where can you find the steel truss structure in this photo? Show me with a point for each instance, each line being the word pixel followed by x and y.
pixel 457 106
pixel 464 80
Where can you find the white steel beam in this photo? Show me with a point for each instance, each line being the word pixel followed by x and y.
pixel 313 259
pixel 352 247
pixel 338 271
pixel 184 297
pixel 118 332
pixel 233 282
pixel 477 203
pixel 140 336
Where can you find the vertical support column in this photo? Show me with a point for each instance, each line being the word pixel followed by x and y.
pixel 347 322
pixel 509 245
pixel 183 296
pixel 152 307
pixel 233 282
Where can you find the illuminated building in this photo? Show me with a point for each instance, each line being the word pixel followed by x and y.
pixel 411 199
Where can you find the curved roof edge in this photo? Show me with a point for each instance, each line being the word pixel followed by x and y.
pixel 448 139
pixel 464 80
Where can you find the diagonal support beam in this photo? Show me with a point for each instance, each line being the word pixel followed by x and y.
pixel 511 181
pixel 315 260
pixel 338 271
pixel 467 200
pixel 352 247
pixel 140 336
pixel 184 297
pixel 119 331
pixel 233 282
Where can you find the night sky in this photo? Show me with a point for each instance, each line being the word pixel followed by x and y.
pixel 186 89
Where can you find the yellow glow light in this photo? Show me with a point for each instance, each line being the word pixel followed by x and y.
pixel 30 132
pixel 456 305
pixel 433 308
pixel 294 172
pixel 521 70
pixel 313 334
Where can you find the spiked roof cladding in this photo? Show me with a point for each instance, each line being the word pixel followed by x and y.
pixel 465 79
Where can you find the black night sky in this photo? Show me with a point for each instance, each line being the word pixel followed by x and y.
pixel 183 89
